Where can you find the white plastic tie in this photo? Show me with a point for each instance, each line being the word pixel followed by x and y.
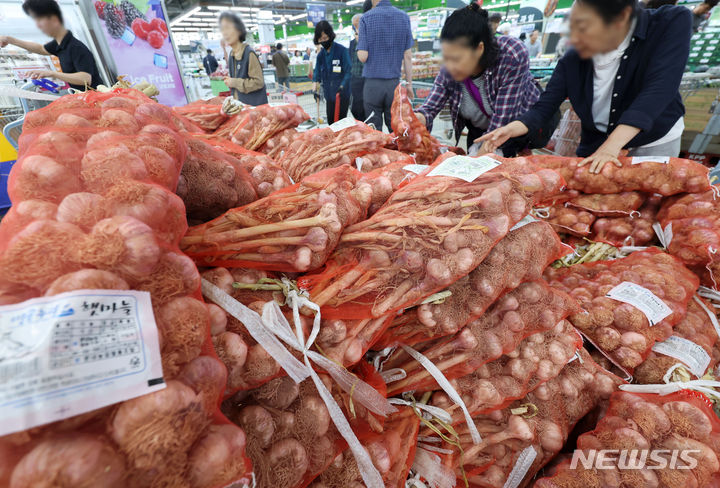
pixel 392 375
pixel 439 450
pixel 447 388
pixel 427 465
pixel 703 386
pixel 541 213
pixel 635 214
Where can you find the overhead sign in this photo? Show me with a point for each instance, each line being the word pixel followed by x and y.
pixel 315 13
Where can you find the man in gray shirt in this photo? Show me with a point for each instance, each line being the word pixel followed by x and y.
pixel 534 45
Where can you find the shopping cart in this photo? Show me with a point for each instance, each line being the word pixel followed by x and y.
pixel 302 95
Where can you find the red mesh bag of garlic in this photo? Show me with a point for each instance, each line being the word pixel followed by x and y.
pixel 412 136
pixel 291 436
pixel 568 220
pixel 643 424
pixel 617 205
pixel 204 113
pixel 266 174
pixel 385 180
pixel 496 384
pixel 329 147
pixel 212 182
pixel 294 229
pixel 387 263
pixel 380 158
pixel 692 344
pixel 634 230
pixel 520 256
pixel 630 303
pixel 392 452
pixel 254 126
pixel 666 176
pixel 531 308
pixel 518 440
pixel 95 216
pixel 279 142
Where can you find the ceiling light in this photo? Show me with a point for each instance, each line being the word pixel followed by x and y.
pixel 355 2
pixel 295 17
pixel 184 16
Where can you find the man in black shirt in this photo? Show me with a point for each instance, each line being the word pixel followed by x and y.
pixel 210 63
pixel 78 65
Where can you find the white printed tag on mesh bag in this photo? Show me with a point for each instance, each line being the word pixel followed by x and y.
pixel 643 299
pixel 696 358
pixel 464 167
pixel 415 168
pixel 75 352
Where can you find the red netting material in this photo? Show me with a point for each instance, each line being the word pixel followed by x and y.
pixel 635 230
pixel 694 221
pixel 291 438
pixel 266 174
pixel 294 229
pixel 521 256
pixel 412 136
pixel 570 220
pixel 254 126
pixel 384 181
pixel 279 142
pixel 206 115
pixel 432 231
pixel 617 205
pixel 212 182
pixel 347 341
pixel 541 420
pixel 319 149
pixel 94 209
pixel 380 158
pixel 645 422
pixel 391 451
pixel 621 330
pixel 531 308
pixel 677 176
pixel 696 327
pixel 496 384
pixel 248 364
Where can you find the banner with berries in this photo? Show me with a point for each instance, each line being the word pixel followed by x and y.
pixel 137 36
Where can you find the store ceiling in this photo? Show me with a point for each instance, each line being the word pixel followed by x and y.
pixel 199 15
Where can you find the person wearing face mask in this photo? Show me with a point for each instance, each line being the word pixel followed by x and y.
pixel 622 77
pixel 485 80
pixel 332 69
pixel 357 82
pixel 246 80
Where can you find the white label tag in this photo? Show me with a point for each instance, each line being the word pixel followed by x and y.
pixel 465 167
pixel 359 163
pixel 276 104
pixel 75 352
pixel 415 168
pixel 650 159
pixel 643 299
pixel 528 219
pixel 343 124
pixel 524 461
pixel 696 358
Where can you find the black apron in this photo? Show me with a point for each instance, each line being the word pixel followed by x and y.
pixel 239 69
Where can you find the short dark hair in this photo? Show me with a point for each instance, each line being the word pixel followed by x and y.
pixel 367 5
pixel 278 46
pixel 209 51
pixel 712 3
pixel 323 27
pixel 495 18
pixel 609 10
pixel 660 3
pixel 239 25
pixel 42 8
pixel 470 26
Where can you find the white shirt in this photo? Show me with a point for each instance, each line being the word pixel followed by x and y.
pixel 605 68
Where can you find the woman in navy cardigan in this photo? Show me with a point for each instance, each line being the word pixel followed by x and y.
pixel 622 77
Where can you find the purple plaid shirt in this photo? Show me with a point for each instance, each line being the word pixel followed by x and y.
pixel 511 88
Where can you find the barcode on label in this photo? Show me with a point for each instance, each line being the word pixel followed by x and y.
pixel 18 370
